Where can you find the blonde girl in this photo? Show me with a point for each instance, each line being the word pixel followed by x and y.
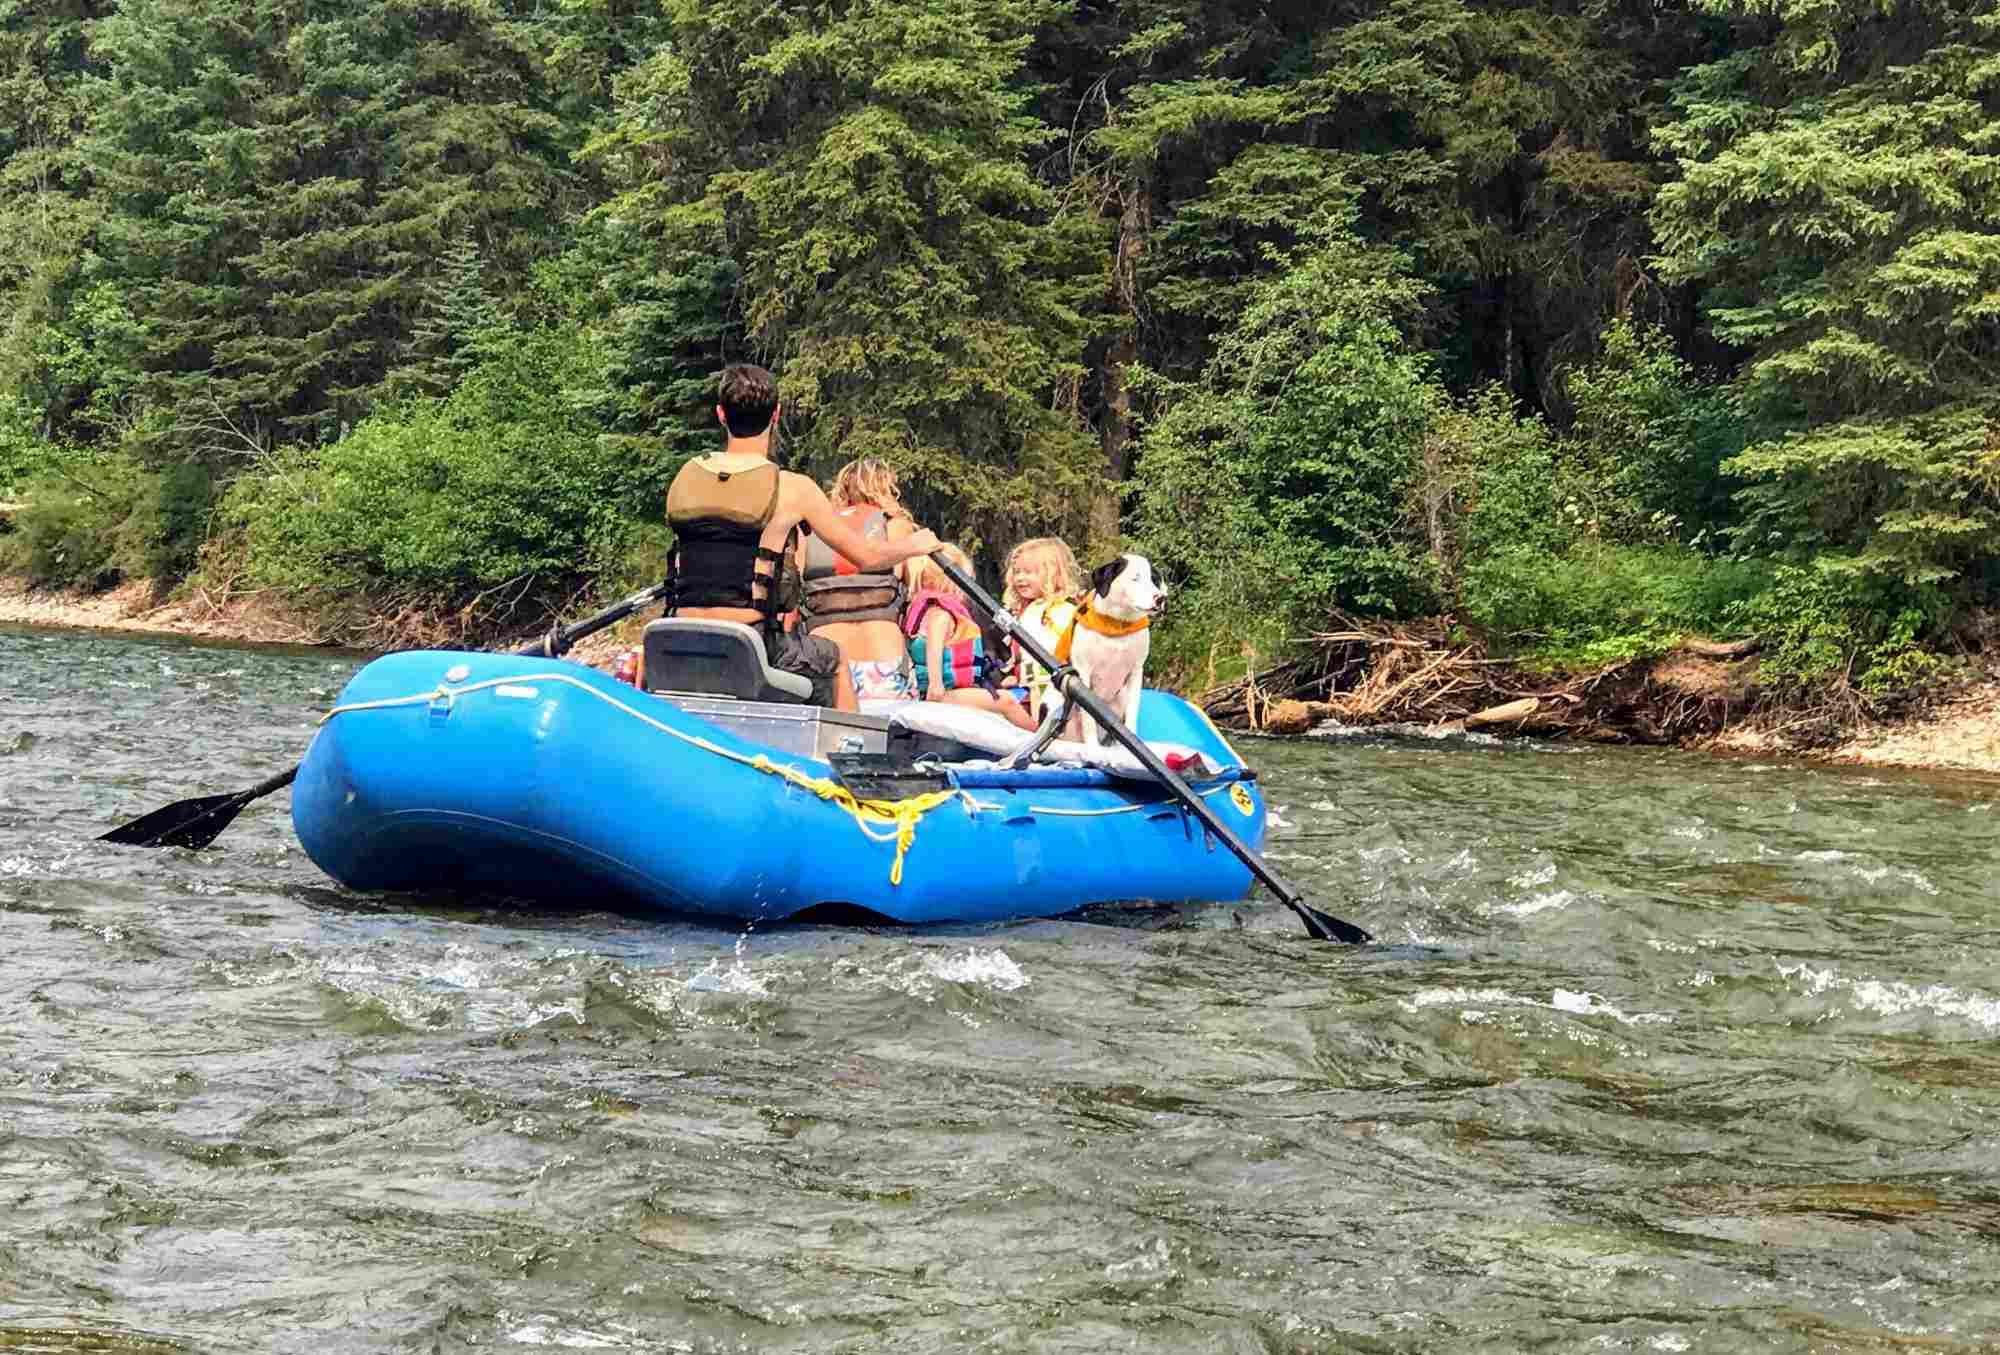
pixel 1044 584
pixel 946 646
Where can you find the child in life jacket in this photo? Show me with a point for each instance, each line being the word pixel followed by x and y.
pixel 946 646
pixel 1043 583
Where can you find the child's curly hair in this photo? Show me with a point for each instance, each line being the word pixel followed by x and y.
pixel 1060 575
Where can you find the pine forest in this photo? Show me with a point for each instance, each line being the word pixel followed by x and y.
pixel 1585 325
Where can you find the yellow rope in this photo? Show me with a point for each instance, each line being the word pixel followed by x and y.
pixel 898 816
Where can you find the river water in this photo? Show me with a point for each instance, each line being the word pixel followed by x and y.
pixel 1656 1053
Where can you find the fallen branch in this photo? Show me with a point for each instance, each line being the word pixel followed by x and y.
pixel 1511 713
pixel 1718 649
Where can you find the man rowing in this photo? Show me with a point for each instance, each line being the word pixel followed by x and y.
pixel 734 513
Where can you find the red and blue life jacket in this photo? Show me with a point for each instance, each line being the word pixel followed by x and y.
pixel 967 663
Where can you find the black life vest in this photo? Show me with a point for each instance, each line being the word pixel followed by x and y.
pixel 836 589
pixel 718 519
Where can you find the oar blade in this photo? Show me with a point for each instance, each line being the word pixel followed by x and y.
pixel 1327 927
pixel 185 823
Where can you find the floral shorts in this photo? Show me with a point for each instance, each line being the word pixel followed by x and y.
pixel 882 679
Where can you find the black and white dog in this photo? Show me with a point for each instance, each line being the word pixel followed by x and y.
pixel 1108 641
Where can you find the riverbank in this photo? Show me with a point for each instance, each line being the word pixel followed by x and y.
pixel 1426 676
pixel 1960 734
pixel 133 607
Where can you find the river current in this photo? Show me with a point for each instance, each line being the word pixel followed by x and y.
pixel 1654 1053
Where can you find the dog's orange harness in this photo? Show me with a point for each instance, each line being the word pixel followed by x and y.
pixel 1090 618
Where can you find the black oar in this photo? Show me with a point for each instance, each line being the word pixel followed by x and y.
pixel 1322 926
pixel 198 822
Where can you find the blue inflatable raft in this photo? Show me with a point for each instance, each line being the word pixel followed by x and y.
pixel 550 781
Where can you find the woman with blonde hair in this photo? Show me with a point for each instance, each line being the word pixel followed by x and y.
pixel 868 480
pixel 860 610
pixel 1043 584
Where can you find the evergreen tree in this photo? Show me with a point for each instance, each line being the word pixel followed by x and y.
pixel 1839 202
pixel 453 310
pixel 866 165
pixel 276 175
pixel 46 211
pixel 664 324
pixel 1500 145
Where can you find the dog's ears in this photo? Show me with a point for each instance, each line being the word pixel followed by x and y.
pixel 1102 577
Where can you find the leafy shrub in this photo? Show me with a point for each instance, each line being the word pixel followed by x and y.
pixel 500 482
pixel 1506 477
pixel 1647 441
pixel 76 523
pixel 1603 602
pixel 24 453
pixel 163 534
pixel 1826 628
pixel 1274 488
pixel 61 540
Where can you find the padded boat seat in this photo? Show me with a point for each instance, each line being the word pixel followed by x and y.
pixel 716 658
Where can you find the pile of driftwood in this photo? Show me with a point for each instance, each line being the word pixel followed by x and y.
pixel 1416 673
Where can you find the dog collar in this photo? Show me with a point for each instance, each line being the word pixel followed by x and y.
pixel 1088 617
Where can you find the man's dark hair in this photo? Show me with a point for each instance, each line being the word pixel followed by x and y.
pixel 748 396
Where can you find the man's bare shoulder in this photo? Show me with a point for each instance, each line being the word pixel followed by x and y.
pixel 797 494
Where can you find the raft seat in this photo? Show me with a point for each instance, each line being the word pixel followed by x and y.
pixel 716 658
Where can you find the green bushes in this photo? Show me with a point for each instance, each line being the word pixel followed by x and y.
pixel 90 521
pixel 1827 629
pixel 1647 441
pixel 500 483
pixel 1319 465
pixel 25 455
pixel 1272 489
pixel 1600 601
pixel 66 536
pixel 163 536
pixel 1602 542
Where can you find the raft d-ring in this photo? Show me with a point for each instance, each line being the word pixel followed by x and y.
pixel 442 701
pixel 1239 795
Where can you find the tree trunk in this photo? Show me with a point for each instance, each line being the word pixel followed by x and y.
pixel 1115 423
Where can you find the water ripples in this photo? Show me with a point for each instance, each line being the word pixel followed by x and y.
pixel 1657 1054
